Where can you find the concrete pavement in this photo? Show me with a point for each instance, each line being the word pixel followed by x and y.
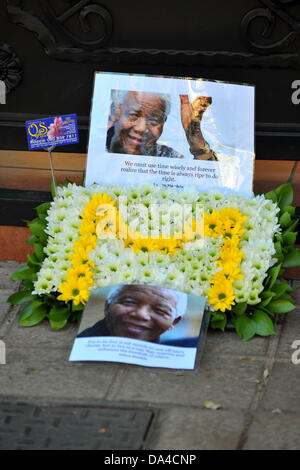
pixel 255 383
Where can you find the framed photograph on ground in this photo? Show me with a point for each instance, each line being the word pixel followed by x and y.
pixel 176 132
pixel 142 324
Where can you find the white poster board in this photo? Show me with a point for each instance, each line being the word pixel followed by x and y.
pixel 176 132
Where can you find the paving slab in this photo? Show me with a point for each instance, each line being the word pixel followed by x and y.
pixel 7 268
pixel 274 431
pixel 45 372
pixel 189 428
pixel 230 382
pixel 4 306
pixel 290 333
pixel 41 335
pixel 230 374
pixel 291 326
pixel 228 343
pixel 283 388
pixel 296 293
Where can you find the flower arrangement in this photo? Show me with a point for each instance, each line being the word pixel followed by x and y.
pixel 227 247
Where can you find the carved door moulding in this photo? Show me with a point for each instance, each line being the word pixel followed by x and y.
pixel 59 42
pixel 10 67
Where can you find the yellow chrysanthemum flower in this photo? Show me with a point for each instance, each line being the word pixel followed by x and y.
pixel 80 272
pixel 87 228
pixel 232 271
pixel 168 245
pixel 80 256
pixel 75 290
pixel 87 242
pixel 221 296
pixel 143 244
pixel 94 205
pixel 229 272
pixel 212 224
pixel 231 243
pixel 234 215
pixel 232 255
pixel 232 230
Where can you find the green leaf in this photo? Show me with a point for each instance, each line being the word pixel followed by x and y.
pixel 218 321
pixel 265 302
pixel 77 308
pixel 277 246
pixel 285 220
pixel 21 297
pixel 33 314
pixel 280 306
pixel 42 218
pixel 37 228
pixel 24 273
pixel 31 240
pixel 272 196
pixel 33 259
pixel 292 226
pixel 280 288
pixel 290 209
pixel 279 254
pixel 286 296
pixel 58 316
pixel 240 309
pixel 245 327
pixel 76 317
pixel 39 251
pixel 43 208
pixel 292 259
pixel 28 285
pixel 266 294
pixel 273 274
pixel 267 297
pixel 289 288
pixel 33 266
pixel 285 194
pixel 289 238
pixel 264 325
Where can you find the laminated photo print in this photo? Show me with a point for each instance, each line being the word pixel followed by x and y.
pixel 144 325
pixel 176 132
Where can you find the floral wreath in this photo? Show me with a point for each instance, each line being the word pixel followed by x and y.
pixel 235 255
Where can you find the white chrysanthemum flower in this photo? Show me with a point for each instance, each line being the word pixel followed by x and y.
pixel 128 276
pixel 42 286
pixel 148 275
pixel 174 278
pixel 158 261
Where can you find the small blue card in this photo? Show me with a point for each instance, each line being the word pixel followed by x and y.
pixel 53 131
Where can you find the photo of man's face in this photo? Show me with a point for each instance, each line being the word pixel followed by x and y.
pixel 142 117
pixel 141 324
pixel 141 312
pixel 136 122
